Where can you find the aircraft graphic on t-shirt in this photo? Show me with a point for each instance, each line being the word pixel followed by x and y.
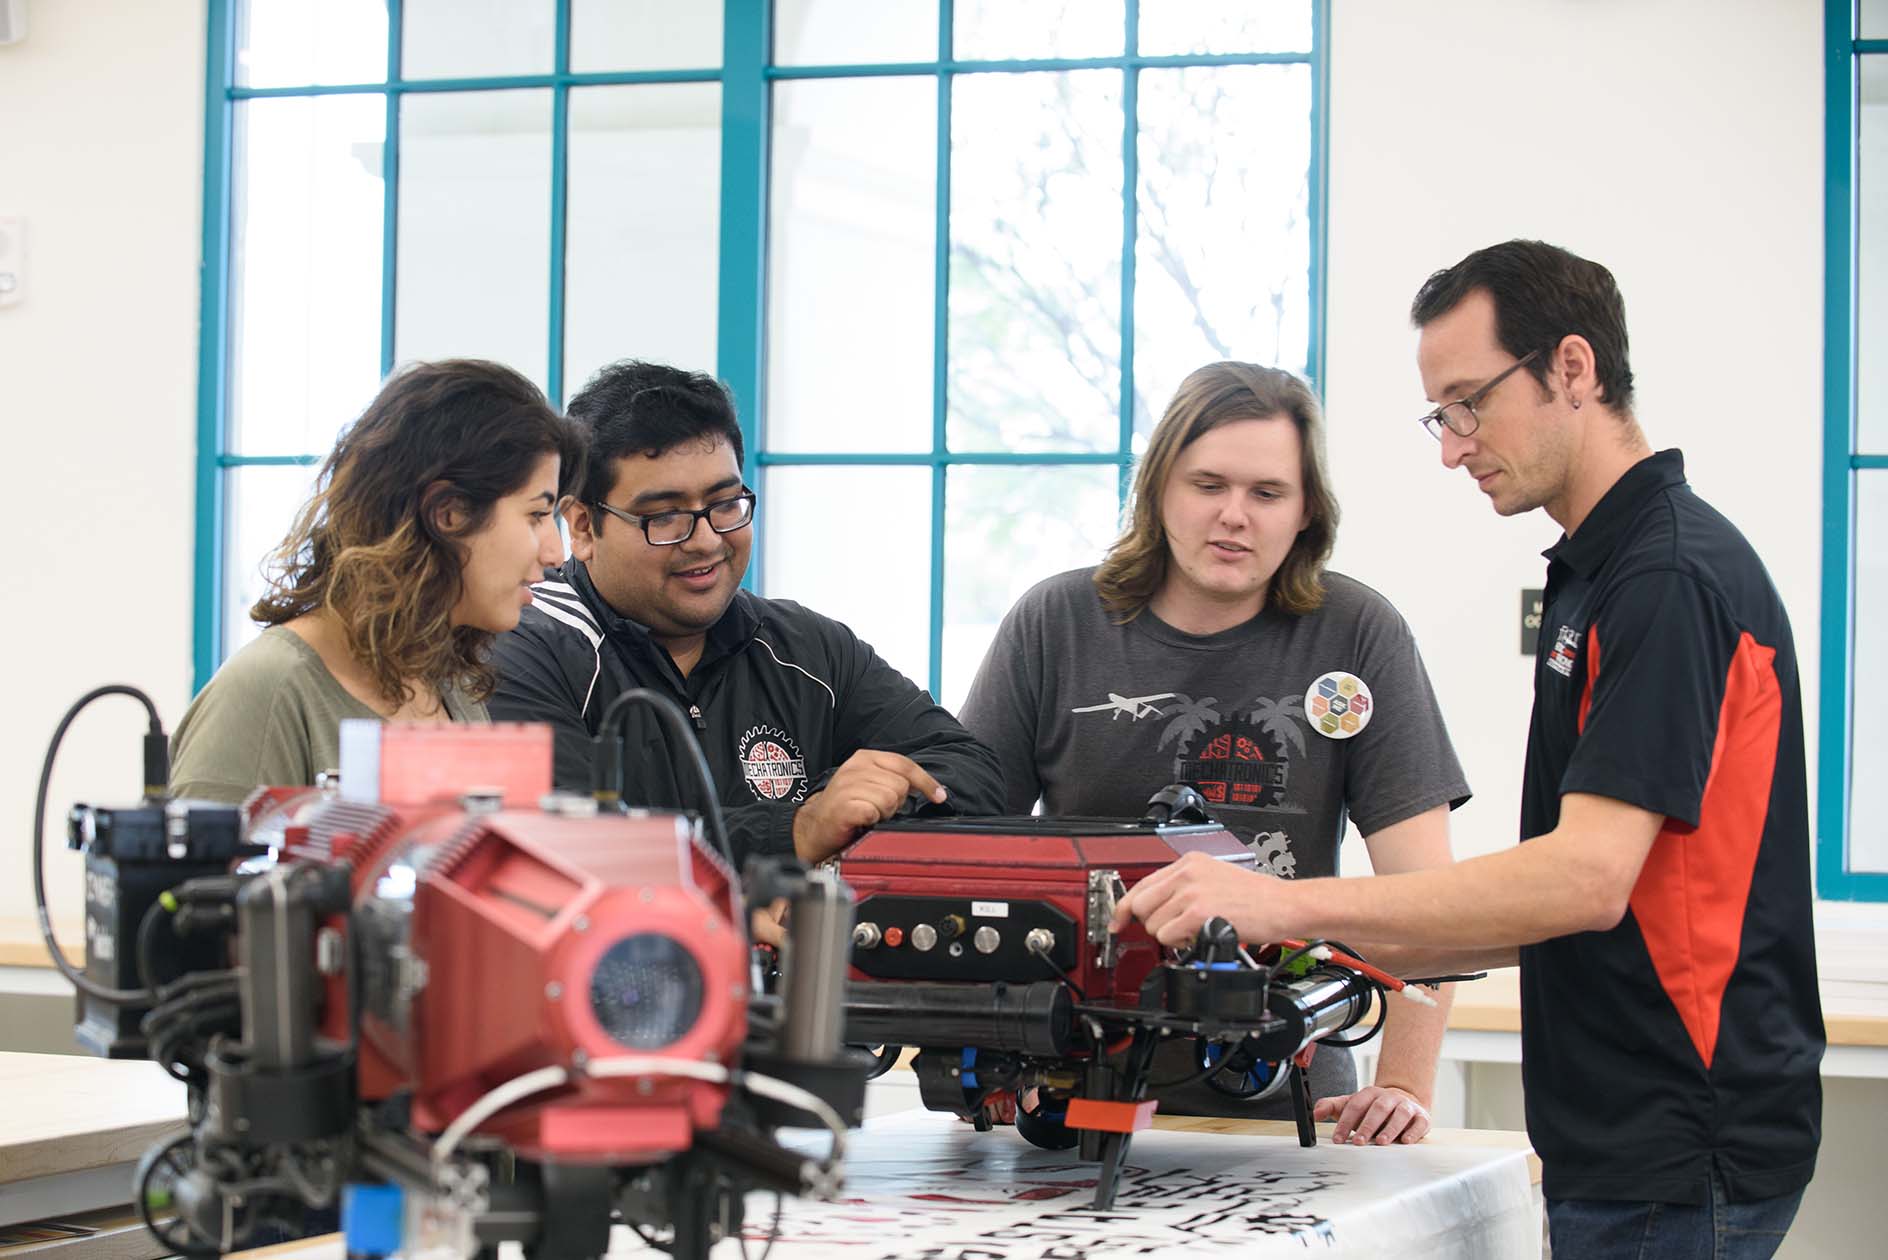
pixel 1136 707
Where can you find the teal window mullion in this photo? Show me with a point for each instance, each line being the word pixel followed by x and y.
pixel 940 355
pixel 741 311
pixel 484 83
pixel 924 459
pixel 230 460
pixel 1834 880
pixel 1130 234
pixel 951 66
pixel 560 199
pixel 1319 190
pixel 213 344
pixel 390 192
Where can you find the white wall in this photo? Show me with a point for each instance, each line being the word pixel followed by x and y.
pixel 101 154
pixel 1679 143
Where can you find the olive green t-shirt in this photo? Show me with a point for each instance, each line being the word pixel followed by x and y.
pixel 270 717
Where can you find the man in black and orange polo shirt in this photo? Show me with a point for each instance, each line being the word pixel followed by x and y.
pixel 1660 908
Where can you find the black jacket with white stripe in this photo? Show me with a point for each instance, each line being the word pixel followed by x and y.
pixel 780 698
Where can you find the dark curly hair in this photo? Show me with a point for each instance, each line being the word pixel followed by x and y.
pixel 371 545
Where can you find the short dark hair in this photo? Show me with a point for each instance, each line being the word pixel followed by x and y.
pixel 1542 294
pixel 637 408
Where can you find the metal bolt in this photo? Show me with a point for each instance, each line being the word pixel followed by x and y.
pixel 581 923
pixel 553 990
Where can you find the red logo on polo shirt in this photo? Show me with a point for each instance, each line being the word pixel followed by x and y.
pixel 1566 643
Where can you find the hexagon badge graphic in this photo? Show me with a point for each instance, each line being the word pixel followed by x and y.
pixel 1339 704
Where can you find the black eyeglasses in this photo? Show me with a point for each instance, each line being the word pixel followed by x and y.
pixel 667 529
pixel 1460 415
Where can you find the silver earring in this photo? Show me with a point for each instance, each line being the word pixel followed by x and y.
pixel 1576 404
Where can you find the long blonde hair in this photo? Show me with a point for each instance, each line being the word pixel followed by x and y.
pixel 1217 394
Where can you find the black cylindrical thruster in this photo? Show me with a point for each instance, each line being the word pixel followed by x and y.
pixel 1326 1001
pixel 1021 1018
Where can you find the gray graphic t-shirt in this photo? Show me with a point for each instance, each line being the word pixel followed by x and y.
pixel 1285 724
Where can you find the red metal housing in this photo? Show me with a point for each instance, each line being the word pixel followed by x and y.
pixel 1004 877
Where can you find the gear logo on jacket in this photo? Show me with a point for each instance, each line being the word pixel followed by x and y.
pixel 772 764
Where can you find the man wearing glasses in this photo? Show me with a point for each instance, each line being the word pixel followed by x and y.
pixel 811 737
pixel 1660 906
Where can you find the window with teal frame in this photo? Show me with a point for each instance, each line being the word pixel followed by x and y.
pixel 952 256
pixel 1852 822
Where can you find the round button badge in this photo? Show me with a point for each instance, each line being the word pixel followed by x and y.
pixel 1338 704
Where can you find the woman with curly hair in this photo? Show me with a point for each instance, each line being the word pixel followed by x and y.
pixel 430 519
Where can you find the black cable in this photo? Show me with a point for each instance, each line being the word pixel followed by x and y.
pixel 1062 975
pixel 1300 952
pixel 147 942
pixel 670 715
pixel 80 981
pixel 1212 1069
pixel 773 1230
pixel 1383 1014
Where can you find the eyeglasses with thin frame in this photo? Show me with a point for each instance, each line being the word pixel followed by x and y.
pixel 1460 416
pixel 671 528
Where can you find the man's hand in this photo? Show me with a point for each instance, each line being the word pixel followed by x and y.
pixel 868 788
pixel 1379 1114
pixel 1178 898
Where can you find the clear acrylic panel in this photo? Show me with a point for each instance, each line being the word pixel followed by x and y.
pixel 1871 278
pixel 306 222
pixel 852 265
pixel 641 265
pixel 1009 30
pixel 1179 28
pixel 260 504
pixel 1222 256
pixel 610 35
pixel 1006 528
pixel 879 521
pixel 463 39
pixel 1874 19
pixel 1035 265
pixel 1868 787
pixel 289 43
pixel 475 228
pixel 854 32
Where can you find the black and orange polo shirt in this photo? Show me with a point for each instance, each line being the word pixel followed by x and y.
pixel 1686 1040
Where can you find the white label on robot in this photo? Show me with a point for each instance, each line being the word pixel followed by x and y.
pixel 990 909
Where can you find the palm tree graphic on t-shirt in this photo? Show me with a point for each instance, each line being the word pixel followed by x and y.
pixel 1190 717
pixel 1276 718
